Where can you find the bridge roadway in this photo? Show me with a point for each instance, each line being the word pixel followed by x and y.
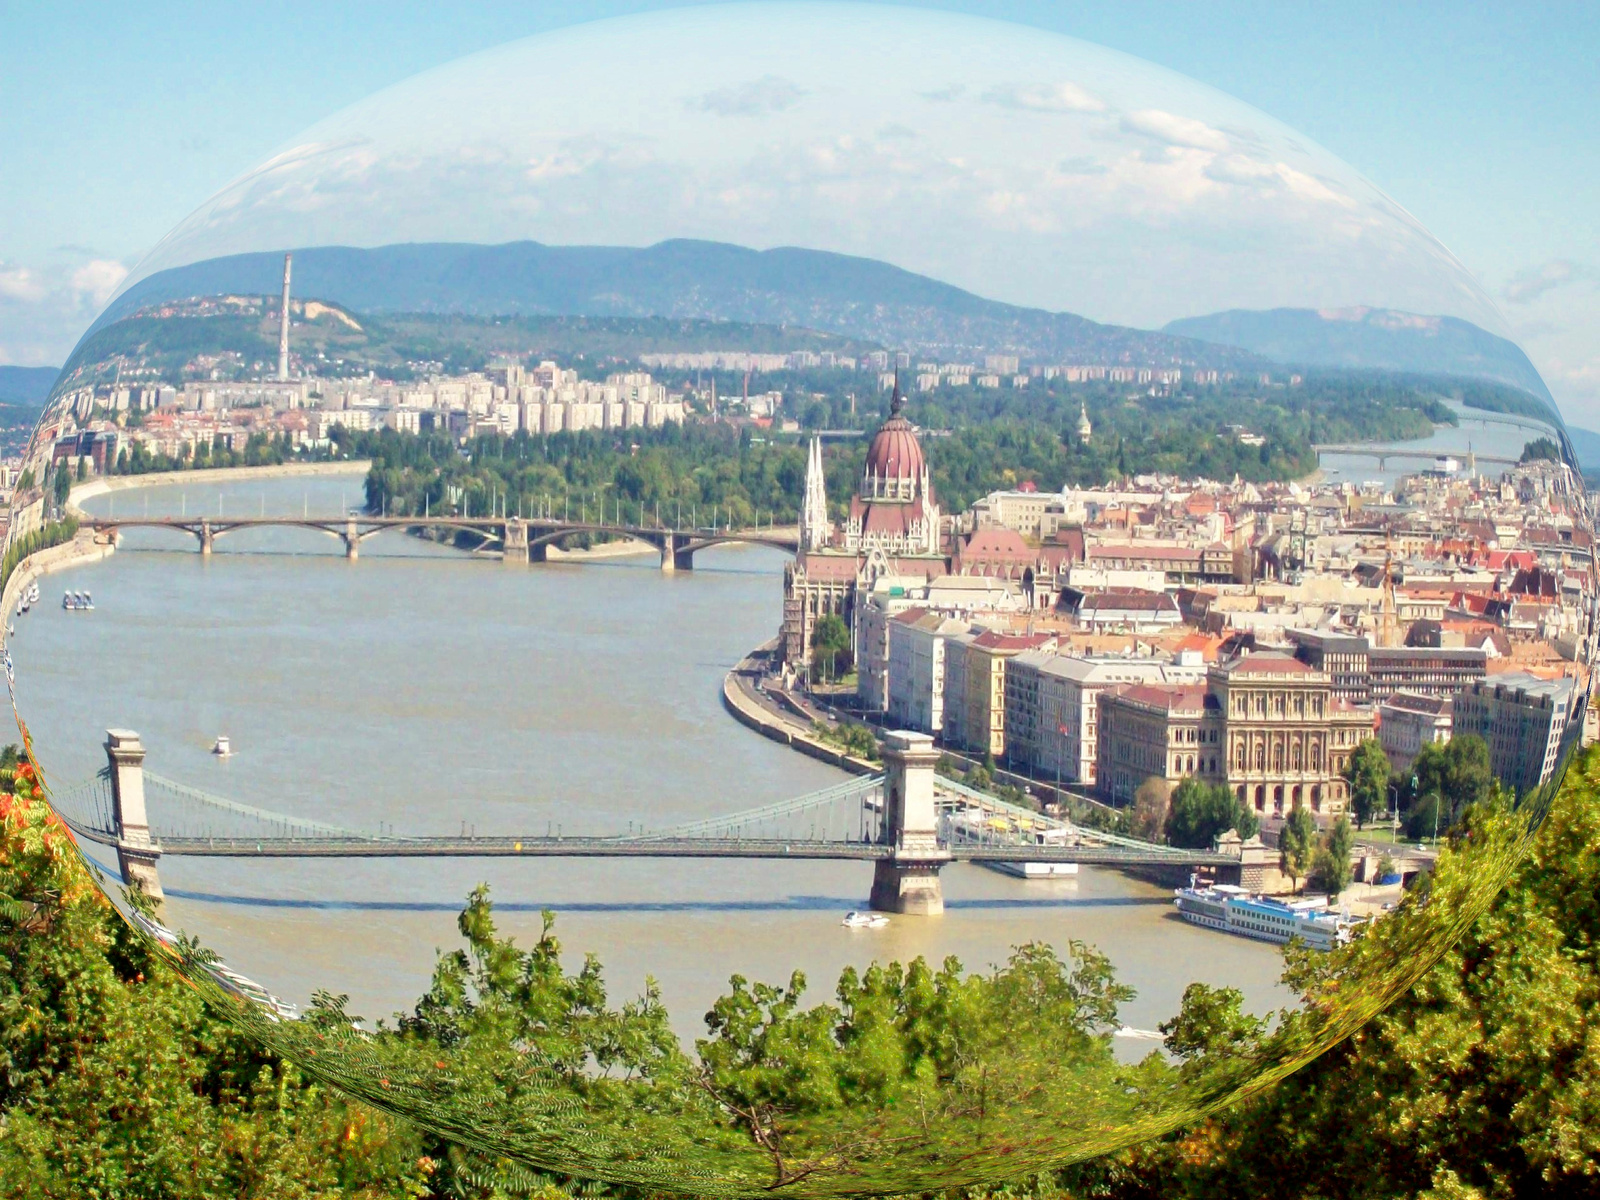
pixel 521 540
pixel 544 846
pixel 1381 453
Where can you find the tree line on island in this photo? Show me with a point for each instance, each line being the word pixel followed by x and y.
pixel 981 440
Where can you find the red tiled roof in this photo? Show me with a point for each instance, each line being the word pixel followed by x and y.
pixel 990 640
pixel 829 566
pixel 1172 697
pixel 1268 664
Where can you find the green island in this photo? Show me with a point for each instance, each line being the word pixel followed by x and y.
pixel 122 1079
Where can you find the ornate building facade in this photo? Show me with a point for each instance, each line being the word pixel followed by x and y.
pixel 893 528
pixel 1267 725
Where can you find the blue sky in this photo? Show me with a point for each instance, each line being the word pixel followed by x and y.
pixel 1481 122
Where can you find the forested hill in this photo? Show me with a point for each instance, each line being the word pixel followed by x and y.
pixel 832 293
pixel 1374 338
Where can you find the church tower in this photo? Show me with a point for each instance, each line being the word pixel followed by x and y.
pixel 815 530
pixel 1083 423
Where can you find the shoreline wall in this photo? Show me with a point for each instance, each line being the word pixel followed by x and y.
pixel 751 715
pixel 103 484
pixel 83 548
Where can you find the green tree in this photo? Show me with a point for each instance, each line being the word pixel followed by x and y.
pixel 1368 775
pixel 1480 1081
pixel 63 485
pixel 1198 812
pixel 1458 773
pixel 1541 448
pixel 1331 871
pixel 830 646
pixel 1150 808
pixel 119 1082
pixel 1297 844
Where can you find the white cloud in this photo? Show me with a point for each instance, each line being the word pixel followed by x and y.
pixel 19 283
pixel 769 94
pixel 98 278
pixel 1527 286
pixel 1045 97
pixel 44 306
pixel 1173 130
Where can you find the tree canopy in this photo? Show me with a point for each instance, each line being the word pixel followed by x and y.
pixel 1368 775
pixel 1198 812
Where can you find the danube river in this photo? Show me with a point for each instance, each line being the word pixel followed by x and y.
pixel 425 689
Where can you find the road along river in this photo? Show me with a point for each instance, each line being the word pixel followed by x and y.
pixel 425 689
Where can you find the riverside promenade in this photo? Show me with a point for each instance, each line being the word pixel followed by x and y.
pixel 781 717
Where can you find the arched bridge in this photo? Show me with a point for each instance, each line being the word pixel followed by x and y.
pixel 1384 453
pixel 907 822
pixel 521 540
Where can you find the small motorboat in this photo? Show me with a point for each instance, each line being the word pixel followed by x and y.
pixel 223 748
pixel 864 920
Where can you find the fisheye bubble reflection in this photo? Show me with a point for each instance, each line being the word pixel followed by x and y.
pixel 1185 580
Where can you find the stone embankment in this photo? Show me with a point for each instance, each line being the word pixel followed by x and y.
pixel 122 483
pixel 742 697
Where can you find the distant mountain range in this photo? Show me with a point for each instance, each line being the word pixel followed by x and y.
pixel 1380 338
pixel 701 283
pixel 1586 444
pixel 831 293
pixel 26 385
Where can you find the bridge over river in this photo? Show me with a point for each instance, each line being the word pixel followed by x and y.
pixel 520 539
pixel 908 822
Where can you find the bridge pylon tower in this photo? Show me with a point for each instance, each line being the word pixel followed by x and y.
pixel 908 880
pixel 352 541
pixel 137 851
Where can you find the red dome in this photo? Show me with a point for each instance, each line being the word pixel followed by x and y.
pixel 895 452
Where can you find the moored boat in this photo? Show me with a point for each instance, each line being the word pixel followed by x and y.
pixel 1238 911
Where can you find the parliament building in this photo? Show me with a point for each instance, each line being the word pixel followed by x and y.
pixel 893 528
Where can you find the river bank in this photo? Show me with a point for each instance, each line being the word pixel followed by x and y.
pixel 84 548
pixel 103 484
pixel 425 690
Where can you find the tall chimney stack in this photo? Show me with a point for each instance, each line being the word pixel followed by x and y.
pixel 283 328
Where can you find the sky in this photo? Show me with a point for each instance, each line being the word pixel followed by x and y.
pixel 1480 122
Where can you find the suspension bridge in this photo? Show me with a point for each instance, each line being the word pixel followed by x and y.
pixel 908 822
pixel 520 540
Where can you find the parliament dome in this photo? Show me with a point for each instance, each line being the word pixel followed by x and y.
pixel 895 452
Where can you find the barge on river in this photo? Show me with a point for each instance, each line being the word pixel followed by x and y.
pixel 1238 911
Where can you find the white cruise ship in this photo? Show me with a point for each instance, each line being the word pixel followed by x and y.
pixel 1239 911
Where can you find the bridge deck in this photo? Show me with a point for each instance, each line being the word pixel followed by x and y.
pixel 597 847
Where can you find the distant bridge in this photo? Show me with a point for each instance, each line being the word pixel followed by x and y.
pixel 908 822
pixel 1384 453
pixel 521 540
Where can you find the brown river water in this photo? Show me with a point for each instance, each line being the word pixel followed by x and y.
pixel 428 690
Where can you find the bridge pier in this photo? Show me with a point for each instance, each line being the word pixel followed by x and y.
pixel 207 537
pixel 514 540
pixel 352 541
pixel 907 882
pixel 675 554
pixel 137 853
